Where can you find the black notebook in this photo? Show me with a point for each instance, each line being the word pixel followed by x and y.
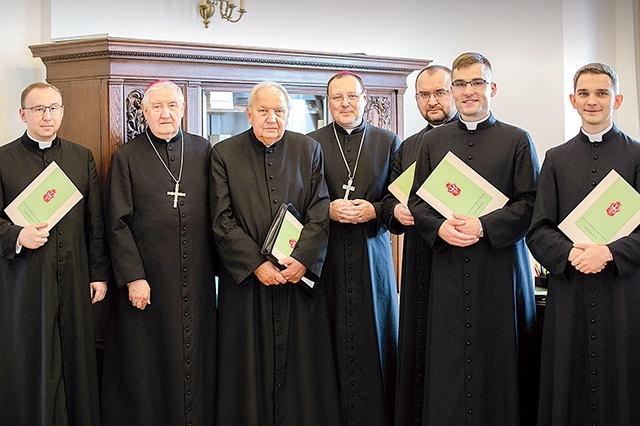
pixel 283 236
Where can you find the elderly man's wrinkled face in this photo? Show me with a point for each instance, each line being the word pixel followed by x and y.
pixel 163 112
pixel 268 115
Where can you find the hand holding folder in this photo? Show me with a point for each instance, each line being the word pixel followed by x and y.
pixel 283 236
pixel 609 212
pixel 47 199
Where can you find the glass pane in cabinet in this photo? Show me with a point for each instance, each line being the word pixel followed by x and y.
pixel 225 116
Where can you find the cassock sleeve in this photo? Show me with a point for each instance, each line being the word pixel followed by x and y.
pixel 427 219
pixel 127 262
pixel 380 206
pixel 314 238
pixel 390 201
pixel 8 232
pixel 99 262
pixel 505 226
pixel 237 250
pixel 547 243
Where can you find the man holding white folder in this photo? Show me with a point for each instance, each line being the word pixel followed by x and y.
pixel 591 339
pixel 49 276
pixel 481 306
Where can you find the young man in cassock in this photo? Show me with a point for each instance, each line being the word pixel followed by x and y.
pixel 274 348
pixel 591 339
pixel 49 277
pixel 358 273
pixel 435 103
pixel 159 362
pixel 481 306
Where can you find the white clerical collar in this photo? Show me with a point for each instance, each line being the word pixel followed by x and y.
pixel 42 145
pixel 597 137
pixel 472 125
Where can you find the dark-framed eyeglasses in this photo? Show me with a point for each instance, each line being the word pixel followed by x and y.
pixel 39 110
pixel 476 84
pixel 439 94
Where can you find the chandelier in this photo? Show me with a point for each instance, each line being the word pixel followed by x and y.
pixel 227 8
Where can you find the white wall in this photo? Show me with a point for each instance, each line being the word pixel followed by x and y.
pixel 20 26
pixel 534 47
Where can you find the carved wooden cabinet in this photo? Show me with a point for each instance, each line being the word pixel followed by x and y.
pixel 102 80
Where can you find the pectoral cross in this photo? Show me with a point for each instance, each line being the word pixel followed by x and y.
pixel 348 187
pixel 175 194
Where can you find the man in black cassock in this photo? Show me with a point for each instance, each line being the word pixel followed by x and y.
pixel 435 103
pixel 591 340
pixel 358 273
pixel 49 276
pixel 481 306
pixel 274 347
pixel 159 362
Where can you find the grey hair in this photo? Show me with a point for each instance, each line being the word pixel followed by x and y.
pixel 160 85
pixel 270 85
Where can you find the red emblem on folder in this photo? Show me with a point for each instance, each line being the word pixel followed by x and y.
pixel 293 243
pixel 453 189
pixel 48 196
pixel 613 208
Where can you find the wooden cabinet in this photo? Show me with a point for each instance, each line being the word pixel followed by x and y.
pixel 102 81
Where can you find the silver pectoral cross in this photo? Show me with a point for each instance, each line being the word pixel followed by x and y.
pixel 348 187
pixel 175 194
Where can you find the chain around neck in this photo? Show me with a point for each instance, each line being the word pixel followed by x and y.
pixel 346 164
pixel 162 161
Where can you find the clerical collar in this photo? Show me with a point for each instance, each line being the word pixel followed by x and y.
pixel 175 138
pixel 473 125
pixel 41 144
pixel 357 129
pixel 257 142
pixel 596 137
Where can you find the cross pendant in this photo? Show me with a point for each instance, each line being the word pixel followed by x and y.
pixel 348 187
pixel 175 194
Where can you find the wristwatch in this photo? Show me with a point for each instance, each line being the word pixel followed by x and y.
pixel 480 233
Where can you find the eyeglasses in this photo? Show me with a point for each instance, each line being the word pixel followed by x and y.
pixel 439 94
pixel 476 84
pixel 39 110
pixel 351 97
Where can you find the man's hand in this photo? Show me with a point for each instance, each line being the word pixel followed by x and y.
pixel 294 270
pixel 403 215
pixel 575 252
pixel 98 290
pixel 269 274
pixel 341 210
pixel 33 236
pixel 139 294
pixel 449 232
pixel 593 259
pixel 471 225
pixel 351 211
